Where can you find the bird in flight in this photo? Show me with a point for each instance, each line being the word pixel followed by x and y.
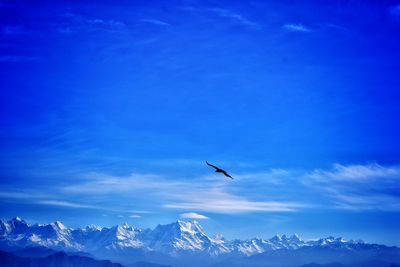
pixel 219 170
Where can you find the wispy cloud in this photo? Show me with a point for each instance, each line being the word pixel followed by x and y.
pixel 360 202
pixel 33 197
pixel 62 203
pixel 155 22
pixel 351 187
pixel 135 216
pixel 44 197
pixel 226 13
pixel 94 21
pixel 360 173
pixel 359 187
pixel 207 194
pixel 233 206
pixel 76 22
pixel 21 195
pixel 193 216
pixel 296 27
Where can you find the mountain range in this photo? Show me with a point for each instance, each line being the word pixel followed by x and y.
pixel 184 243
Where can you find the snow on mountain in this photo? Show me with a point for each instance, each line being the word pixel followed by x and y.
pixel 258 245
pixel 175 239
pixel 55 235
pixel 117 238
pixel 186 237
pixel 16 225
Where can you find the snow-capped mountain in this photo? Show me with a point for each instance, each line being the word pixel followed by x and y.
pixel 187 237
pixel 176 240
pixel 258 245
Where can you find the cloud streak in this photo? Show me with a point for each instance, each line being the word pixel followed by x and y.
pixel 226 13
pixel 359 187
pixel 155 22
pixel 76 22
pixel 38 197
pixel 356 173
pixel 296 27
pixel 68 204
pixel 206 193
pixel 193 216
pixel 234 206
pixel 350 187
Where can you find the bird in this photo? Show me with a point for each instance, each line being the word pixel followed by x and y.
pixel 219 170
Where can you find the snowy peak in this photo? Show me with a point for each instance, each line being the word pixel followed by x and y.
pixel 15 225
pixel 92 228
pixel 59 226
pixel 17 219
pixel 17 222
pixel 276 238
pixel 192 227
pixel 295 238
pixel 175 239
pixel 179 229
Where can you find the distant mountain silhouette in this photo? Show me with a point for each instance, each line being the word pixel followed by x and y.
pixel 333 264
pixel 145 264
pixel 33 252
pixel 335 255
pixel 58 259
pixel 371 263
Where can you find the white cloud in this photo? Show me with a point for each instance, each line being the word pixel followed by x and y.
pixel 360 173
pixel 15 195
pixel 296 27
pixel 356 202
pixel 206 193
pixel 358 187
pixel 135 216
pixel 93 21
pixel 40 198
pixel 62 203
pixel 217 200
pixel 229 206
pixel 155 22
pixel 352 187
pixel 76 22
pixel 193 215
pixel 234 16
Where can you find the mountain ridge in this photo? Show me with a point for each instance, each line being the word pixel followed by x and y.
pixel 181 240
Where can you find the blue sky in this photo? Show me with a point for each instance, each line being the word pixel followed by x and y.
pixel 109 110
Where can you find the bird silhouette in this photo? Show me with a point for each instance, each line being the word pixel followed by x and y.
pixel 219 170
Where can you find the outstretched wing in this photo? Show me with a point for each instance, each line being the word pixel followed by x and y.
pixel 227 174
pixel 215 167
